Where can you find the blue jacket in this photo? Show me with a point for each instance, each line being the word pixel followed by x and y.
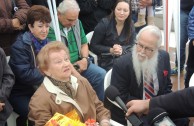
pixel 191 24
pixel 23 64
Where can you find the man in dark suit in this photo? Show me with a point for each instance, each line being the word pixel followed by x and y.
pixel 177 104
pixel 130 71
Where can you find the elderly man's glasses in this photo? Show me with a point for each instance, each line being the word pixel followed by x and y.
pixel 147 49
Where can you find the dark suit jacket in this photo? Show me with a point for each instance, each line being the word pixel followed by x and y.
pixel 124 79
pixel 7 80
pixel 177 104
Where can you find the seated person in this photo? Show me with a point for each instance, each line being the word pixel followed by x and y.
pixel 23 63
pixel 6 83
pixel 113 35
pixel 61 91
pixel 72 34
pixel 143 73
pixel 12 22
pixel 190 60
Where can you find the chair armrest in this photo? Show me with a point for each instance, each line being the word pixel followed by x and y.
pixel 94 56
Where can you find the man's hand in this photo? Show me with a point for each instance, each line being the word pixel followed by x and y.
pixel 145 3
pixel 16 24
pixel 2 106
pixel 74 71
pixel 83 64
pixel 139 107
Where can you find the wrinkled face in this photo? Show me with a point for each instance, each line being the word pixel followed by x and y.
pixel 59 66
pixel 122 11
pixel 69 18
pixel 146 46
pixel 39 29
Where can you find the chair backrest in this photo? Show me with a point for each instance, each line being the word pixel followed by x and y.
pixel 7 57
pixel 191 81
pixel 89 36
pixel 107 79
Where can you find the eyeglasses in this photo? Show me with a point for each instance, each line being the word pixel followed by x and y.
pixel 147 49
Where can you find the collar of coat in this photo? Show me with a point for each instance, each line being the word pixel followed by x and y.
pixel 60 95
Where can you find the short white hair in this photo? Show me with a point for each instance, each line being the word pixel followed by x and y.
pixel 68 5
pixel 154 30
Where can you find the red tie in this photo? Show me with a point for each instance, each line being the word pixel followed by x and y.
pixel 148 86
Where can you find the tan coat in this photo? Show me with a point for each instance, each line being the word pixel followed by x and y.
pixel 49 99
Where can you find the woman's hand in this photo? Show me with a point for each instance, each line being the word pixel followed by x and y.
pixel 117 50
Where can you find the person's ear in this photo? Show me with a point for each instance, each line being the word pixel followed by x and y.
pixel 30 27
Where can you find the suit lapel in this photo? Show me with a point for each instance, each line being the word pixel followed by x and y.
pixel 160 73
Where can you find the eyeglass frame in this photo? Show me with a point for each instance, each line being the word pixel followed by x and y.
pixel 147 49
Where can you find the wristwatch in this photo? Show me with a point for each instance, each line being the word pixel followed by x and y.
pixel 88 60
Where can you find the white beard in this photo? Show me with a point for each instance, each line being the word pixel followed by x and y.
pixel 148 64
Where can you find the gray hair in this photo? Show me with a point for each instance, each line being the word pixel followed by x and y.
pixel 68 5
pixel 154 30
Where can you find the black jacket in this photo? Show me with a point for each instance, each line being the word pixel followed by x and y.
pixel 186 5
pixel 124 79
pixel 177 104
pixel 105 36
pixel 6 83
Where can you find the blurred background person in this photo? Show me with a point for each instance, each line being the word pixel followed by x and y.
pixel 185 8
pixel 190 60
pixel 141 20
pixel 113 35
pixel 41 2
pixel 7 81
pixel 12 21
pixel 92 11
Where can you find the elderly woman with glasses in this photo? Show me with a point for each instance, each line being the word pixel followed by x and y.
pixel 61 91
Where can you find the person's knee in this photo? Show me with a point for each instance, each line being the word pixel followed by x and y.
pixel 101 73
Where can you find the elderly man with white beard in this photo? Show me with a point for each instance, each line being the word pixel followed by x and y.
pixel 142 73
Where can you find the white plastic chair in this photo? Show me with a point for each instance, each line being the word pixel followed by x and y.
pixel 11 121
pixel 7 58
pixel 191 81
pixel 107 80
pixel 89 37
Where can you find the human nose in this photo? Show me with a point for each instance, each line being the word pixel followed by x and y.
pixel 122 11
pixel 66 62
pixel 45 29
pixel 143 49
